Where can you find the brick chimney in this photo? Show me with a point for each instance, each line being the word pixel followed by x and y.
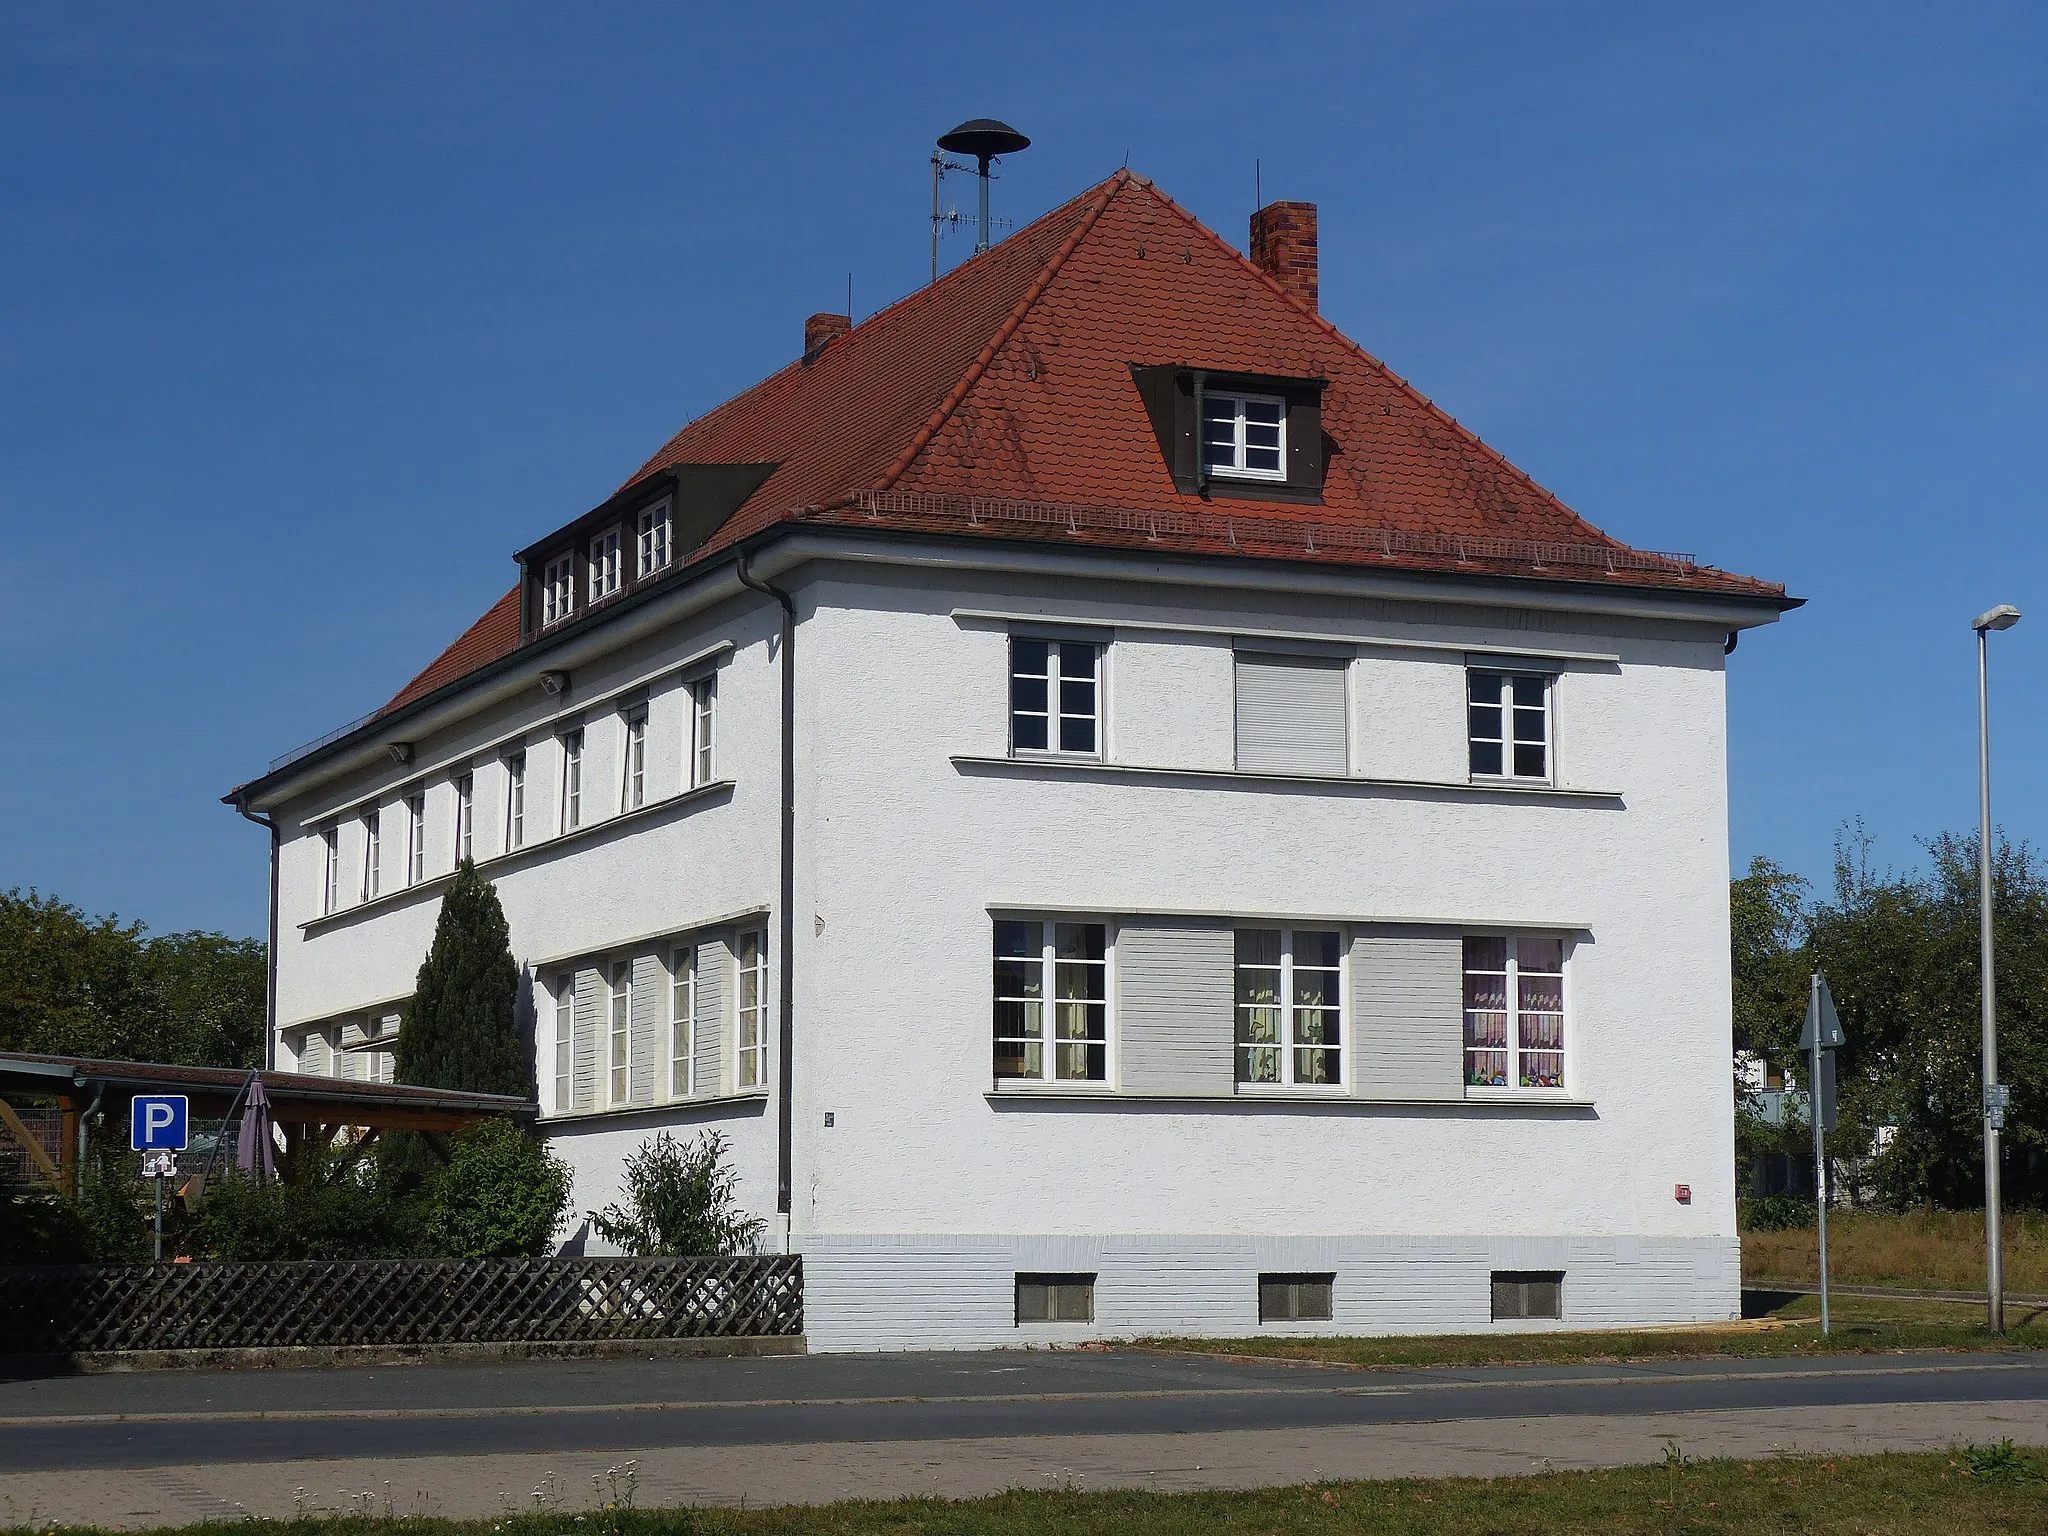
pixel 1284 247
pixel 820 331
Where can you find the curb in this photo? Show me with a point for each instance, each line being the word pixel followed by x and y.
pixel 317 1356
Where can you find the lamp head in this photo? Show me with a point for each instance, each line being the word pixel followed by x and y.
pixel 2004 616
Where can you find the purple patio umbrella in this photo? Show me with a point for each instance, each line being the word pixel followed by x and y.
pixel 254 1142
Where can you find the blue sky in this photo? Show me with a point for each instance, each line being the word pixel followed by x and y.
pixel 313 315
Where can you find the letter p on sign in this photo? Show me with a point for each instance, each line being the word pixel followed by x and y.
pixel 156 1122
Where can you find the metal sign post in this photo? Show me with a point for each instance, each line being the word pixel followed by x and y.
pixel 157 1126
pixel 1821 1037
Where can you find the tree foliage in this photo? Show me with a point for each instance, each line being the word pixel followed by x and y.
pixel 72 985
pixel 679 1201
pixel 461 1029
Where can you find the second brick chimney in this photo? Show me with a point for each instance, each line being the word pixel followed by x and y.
pixel 820 331
pixel 1284 247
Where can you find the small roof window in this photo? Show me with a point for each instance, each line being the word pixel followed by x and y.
pixel 1244 435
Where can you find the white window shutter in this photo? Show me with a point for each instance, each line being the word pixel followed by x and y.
pixel 1290 715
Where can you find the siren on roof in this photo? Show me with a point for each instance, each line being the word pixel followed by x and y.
pixel 985 139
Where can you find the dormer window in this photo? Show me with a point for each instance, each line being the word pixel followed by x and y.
pixel 605 571
pixel 1244 436
pixel 654 538
pixel 558 590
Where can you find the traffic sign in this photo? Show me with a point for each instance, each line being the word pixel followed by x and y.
pixel 157 1122
pixel 1821 1020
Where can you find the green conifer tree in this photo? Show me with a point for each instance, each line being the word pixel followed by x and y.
pixel 461 1029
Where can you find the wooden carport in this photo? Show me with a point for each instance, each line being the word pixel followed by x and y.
pixel 309 1110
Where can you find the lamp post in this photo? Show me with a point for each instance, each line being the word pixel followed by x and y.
pixel 2004 616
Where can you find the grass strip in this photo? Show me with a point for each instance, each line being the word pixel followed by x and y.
pixel 1986 1491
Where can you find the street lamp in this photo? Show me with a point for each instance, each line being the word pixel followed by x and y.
pixel 2004 616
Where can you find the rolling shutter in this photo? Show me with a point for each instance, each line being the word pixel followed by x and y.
pixel 714 981
pixel 1290 714
pixel 1407 990
pixel 1174 1005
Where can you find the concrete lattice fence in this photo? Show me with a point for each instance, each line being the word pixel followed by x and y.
pixel 77 1309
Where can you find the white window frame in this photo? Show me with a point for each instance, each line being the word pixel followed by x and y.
pixel 1514 1050
pixel 570 810
pixel 1290 1043
pixel 373 852
pixel 682 1022
pixel 619 1033
pixel 633 761
pixel 1510 718
pixel 1052 1047
pixel 330 883
pixel 703 729
pixel 515 801
pixel 750 1019
pixel 656 538
pixel 607 565
pixel 1055 715
pixel 565 1042
pixel 1240 431
pixel 558 589
pixel 465 818
pixel 415 837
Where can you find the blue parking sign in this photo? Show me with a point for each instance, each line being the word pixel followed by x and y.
pixel 156 1122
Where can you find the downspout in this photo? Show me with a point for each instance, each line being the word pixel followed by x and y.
pixel 270 959
pixel 786 988
pixel 1201 379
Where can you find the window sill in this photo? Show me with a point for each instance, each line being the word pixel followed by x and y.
pixel 744 1096
pixel 535 851
pixel 1082 767
pixel 1018 1088
pixel 1293 1099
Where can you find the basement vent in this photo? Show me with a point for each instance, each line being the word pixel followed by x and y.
pixel 1520 1293
pixel 1295 1298
pixel 1055 1299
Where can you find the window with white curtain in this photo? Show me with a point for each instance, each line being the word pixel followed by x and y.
pixel 621 1031
pixel 1055 696
pixel 654 537
pixel 415 838
pixel 752 1060
pixel 515 801
pixel 572 780
pixel 373 852
pixel 606 571
pixel 558 590
pixel 1290 1007
pixel 633 786
pixel 1514 1011
pixel 1508 724
pixel 703 710
pixel 465 818
pixel 565 1041
pixel 682 1022
pixel 330 878
pixel 1051 1000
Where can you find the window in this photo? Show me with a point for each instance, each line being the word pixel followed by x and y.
pixel 1508 720
pixel 558 590
pixel 572 780
pixel 1520 1293
pixel 621 1031
pixel 1055 1299
pixel 1289 990
pixel 605 572
pixel 703 706
pixel 654 537
pixel 330 883
pixel 1244 436
pixel 1514 1011
pixel 1054 696
pixel 1295 1298
pixel 373 852
pixel 682 1023
pixel 415 839
pixel 1068 964
pixel 565 1041
pixel 465 818
pixel 515 801
pixel 753 1011
pixel 633 791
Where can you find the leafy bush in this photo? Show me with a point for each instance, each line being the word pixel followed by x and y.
pixel 501 1196
pixel 1775 1213
pixel 679 1200
pixel 42 1229
pixel 117 1209
pixel 343 1215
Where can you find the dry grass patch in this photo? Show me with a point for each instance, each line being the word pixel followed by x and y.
pixel 1930 1250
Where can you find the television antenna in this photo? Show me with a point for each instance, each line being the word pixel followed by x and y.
pixel 985 139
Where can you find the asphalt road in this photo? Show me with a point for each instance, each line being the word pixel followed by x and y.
pixel 194 1419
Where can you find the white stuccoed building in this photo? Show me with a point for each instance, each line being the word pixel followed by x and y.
pixel 1099 886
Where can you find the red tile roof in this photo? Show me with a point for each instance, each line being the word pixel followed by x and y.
pixel 999 401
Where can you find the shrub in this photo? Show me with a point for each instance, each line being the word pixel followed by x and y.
pixel 117 1209
pixel 679 1200
pixel 345 1215
pixel 1775 1213
pixel 42 1229
pixel 502 1195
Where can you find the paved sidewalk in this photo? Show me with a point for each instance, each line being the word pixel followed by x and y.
pixel 487 1485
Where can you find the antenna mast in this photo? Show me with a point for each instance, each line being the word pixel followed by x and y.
pixel 985 139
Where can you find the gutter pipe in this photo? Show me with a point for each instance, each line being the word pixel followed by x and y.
pixel 270 958
pixel 786 985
